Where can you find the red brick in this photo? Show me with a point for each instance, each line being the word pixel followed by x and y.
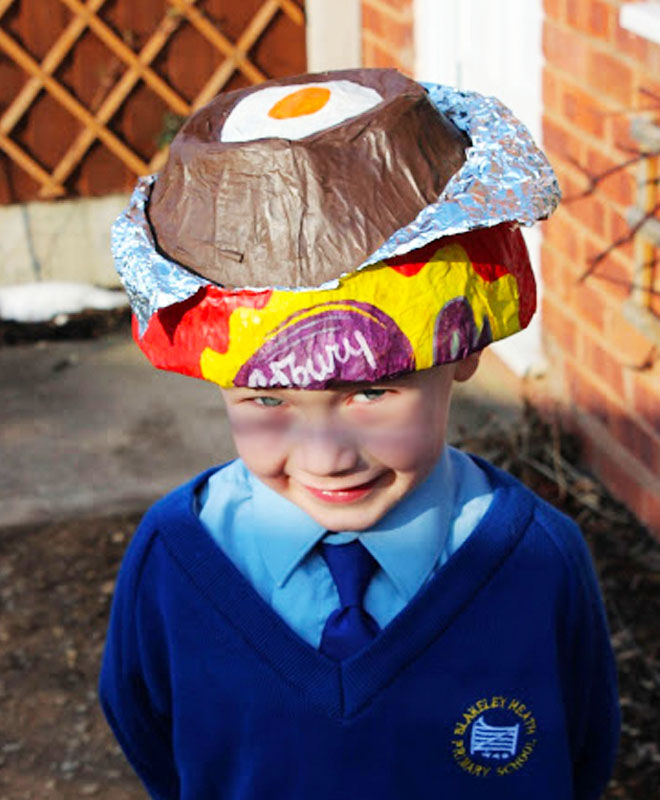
pixel 629 44
pixel 654 305
pixel 587 398
pixel 648 92
pixel 601 363
pixel 603 19
pixel 565 51
pixel 646 399
pixel 652 60
pixel 626 248
pixel 589 304
pixel 580 108
pixel 554 9
pixel 618 229
pixel 623 475
pixel 633 348
pixel 574 13
pixel 619 233
pixel 610 271
pixel 560 142
pixel 591 212
pixel 611 463
pixel 391 30
pixel 638 441
pixel 553 271
pixel 593 17
pixel 575 269
pixel 560 231
pixel 611 76
pixel 618 478
pixel 613 179
pixel 552 268
pixel 619 134
pixel 559 325
pixel 571 183
pixel 398 6
pixel 551 93
pixel 375 54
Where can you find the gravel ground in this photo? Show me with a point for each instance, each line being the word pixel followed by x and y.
pixel 56 583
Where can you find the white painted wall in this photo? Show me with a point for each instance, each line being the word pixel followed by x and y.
pixel 492 47
pixel 334 35
pixel 67 240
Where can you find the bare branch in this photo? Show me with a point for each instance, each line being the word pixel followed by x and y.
pixel 619 242
pixel 648 362
pixel 595 180
pixel 650 93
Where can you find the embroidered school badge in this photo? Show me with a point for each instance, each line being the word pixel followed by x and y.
pixel 494 736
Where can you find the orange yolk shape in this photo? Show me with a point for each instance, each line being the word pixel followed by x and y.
pixel 300 103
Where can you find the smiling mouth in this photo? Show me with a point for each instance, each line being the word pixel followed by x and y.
pixel 347 495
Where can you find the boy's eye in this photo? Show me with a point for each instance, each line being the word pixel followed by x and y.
pixel 268 402
pixel 369 395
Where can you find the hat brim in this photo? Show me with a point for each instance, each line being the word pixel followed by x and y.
pixel 432 306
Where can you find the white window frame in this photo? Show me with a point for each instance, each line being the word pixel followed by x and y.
pixel 642 19
pixel 442 32
pixel 334 34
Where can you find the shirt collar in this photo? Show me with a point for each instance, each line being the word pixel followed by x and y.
pixel 284 533
pixel 406 542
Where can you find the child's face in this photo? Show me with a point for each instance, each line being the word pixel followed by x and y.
pixel 346 455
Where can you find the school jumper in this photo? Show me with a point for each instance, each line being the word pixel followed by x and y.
pixel 496 682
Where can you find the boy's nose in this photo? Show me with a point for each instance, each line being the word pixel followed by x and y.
pixel 325 451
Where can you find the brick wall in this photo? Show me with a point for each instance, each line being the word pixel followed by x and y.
pixel 387 34
pixel 605 373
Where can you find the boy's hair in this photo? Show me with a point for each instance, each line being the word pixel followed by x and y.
pixel 345 226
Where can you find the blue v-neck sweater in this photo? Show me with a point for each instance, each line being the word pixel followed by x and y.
pixel 496 682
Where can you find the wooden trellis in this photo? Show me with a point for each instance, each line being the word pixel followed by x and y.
pixel 137 67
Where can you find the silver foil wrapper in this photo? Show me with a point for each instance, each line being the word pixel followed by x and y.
pixel 151 280
pixel 505 178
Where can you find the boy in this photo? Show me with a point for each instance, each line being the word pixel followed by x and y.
pixel 351 608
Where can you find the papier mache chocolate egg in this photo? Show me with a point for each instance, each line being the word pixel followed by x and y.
pixel 346 226
pixel 295 182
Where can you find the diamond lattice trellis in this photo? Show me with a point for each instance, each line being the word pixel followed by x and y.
pixel 136 69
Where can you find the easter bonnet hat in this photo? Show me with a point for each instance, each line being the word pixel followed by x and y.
pixel 344 226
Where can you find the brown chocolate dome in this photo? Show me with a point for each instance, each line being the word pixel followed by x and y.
pixel 284 212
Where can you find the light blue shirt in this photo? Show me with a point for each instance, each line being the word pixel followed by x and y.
pixel 272 541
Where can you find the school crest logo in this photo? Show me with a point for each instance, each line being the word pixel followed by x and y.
pixel 495 736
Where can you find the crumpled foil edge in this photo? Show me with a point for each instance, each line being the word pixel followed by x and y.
pixel 150 279
pixel 505 177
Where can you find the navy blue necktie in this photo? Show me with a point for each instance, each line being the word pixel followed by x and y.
pixel 349 628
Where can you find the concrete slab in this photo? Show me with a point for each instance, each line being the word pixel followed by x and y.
pixel 90 427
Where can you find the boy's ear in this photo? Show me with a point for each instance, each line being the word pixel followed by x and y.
pixel 466 368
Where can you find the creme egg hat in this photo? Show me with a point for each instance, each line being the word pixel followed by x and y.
pixel 344 226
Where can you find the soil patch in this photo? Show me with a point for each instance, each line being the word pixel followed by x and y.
pixel 87 324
